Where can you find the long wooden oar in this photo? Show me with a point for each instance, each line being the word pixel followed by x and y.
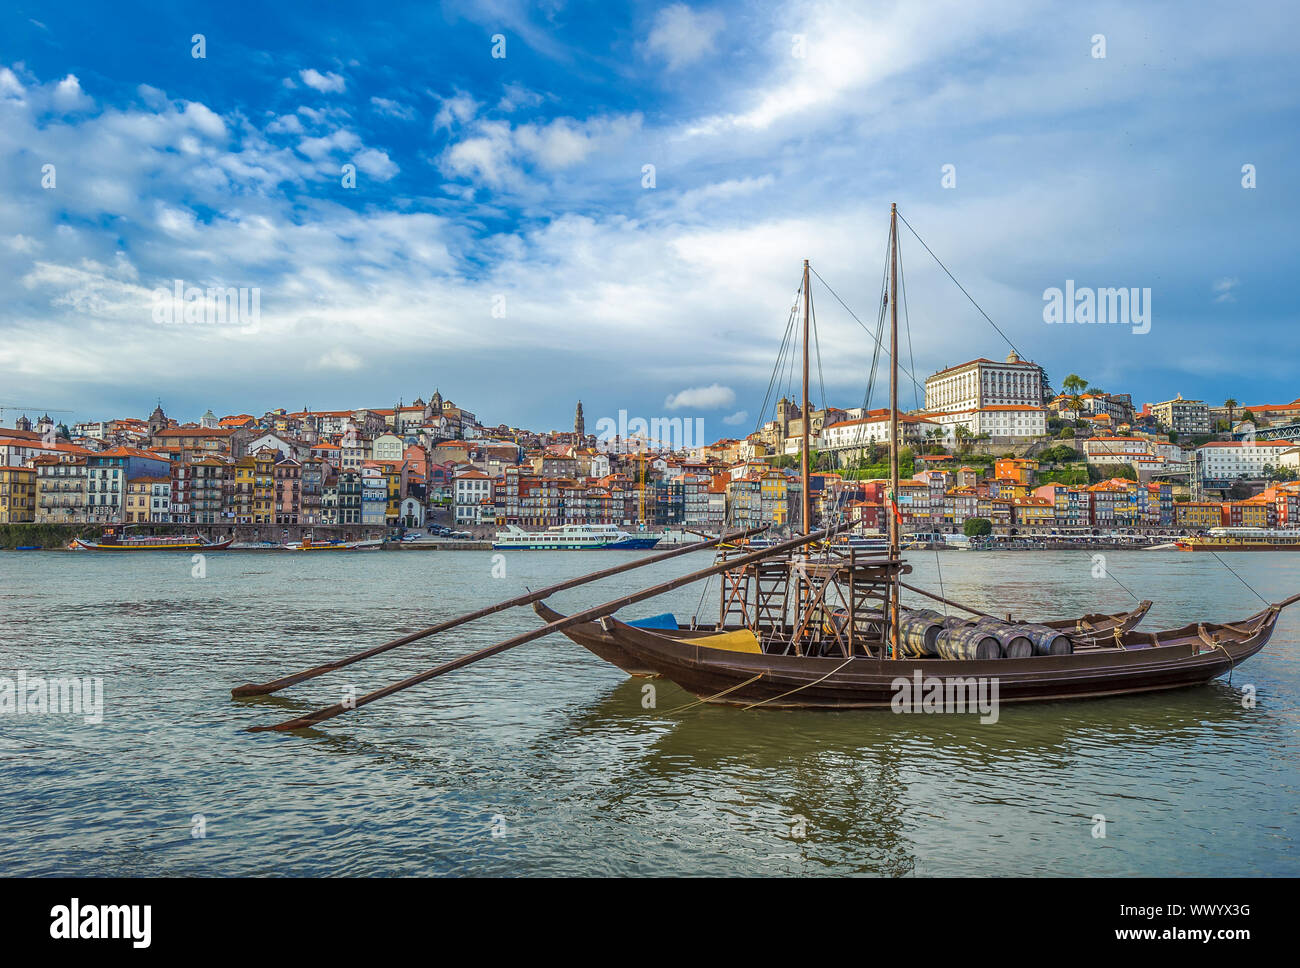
pixel 262 689
pixel 588 615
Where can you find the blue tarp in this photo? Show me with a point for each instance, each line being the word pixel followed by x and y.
pixel 667 620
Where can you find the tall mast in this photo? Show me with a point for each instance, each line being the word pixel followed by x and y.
pixel 893 419
pixel 807 418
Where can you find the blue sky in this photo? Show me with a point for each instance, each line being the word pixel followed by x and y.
pixel 516 182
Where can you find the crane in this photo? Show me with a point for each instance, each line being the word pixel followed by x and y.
pixel 7 406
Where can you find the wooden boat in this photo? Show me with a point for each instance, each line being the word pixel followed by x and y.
pixel 1139 662
pixel 826 629
pixel 1090 630
pixel 114 542
pixel 307 544
pixel 803 623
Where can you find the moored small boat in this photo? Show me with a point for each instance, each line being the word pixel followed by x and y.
pixel 115 542
pixel 601 638
pixel 1138 662
pixel 307 544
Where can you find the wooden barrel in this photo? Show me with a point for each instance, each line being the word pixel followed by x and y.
pixel 968 642
pixel 918 633
pixel 1047 640
pixel 1015 643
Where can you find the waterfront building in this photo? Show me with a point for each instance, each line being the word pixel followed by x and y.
pixel 1286 502
pixel 473 487
pixel 17 494
pixel 374 495
pixel 1200 515
pixel 60 489
pixel 252 498
pixel 148 500
pixel 348 501
pixel 106 476
pixel 1033 512
pixel 1256 512
pixel 287 476
pixel 313 477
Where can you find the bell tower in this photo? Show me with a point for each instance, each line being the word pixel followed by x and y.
pixel 579 424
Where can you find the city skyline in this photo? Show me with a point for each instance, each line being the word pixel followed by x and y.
pixel 502 228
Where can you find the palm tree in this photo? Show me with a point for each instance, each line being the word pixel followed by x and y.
pixel 1231 404
pixel 963 436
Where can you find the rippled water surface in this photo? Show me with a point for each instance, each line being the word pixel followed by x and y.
pixel 551 748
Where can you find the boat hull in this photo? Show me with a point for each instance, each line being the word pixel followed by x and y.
pixel 1193 545
pixel 1173 659
pixel 83 545
pixel 605 644
pixel 626 544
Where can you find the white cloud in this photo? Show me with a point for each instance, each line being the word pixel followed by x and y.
pixel 327 83
pixel 337 359
pixel 9 84
pixel 710 397
pixel 459 109
pixel 517 96
pixel 68 95
pixel 376 164
pixel 392 109
pixel 285 124
pixel 204 119
pixel 739 417
pixel 1223 290
pixel 484 157
pixel 339 140
pixel 680 36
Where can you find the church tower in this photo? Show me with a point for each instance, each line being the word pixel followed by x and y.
pixel 157 420
pixel 579 424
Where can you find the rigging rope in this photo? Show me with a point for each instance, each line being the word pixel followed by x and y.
pixel 958 284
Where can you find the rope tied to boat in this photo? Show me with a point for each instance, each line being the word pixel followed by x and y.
pixel 798 688
pixel 739 685
pixel 1216 644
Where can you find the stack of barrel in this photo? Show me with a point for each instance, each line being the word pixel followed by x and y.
pixel 923 632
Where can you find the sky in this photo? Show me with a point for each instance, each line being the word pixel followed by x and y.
pixel 459 196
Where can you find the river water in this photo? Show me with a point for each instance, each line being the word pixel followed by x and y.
pixel 543 761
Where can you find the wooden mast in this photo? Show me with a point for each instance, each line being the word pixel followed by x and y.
pixel 894 542
pixel 803 461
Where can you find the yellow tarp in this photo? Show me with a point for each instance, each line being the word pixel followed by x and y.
pixel 741 640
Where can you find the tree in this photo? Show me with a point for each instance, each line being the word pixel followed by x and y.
pixel 963 435
pixel 1231 404
pixel 977 527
